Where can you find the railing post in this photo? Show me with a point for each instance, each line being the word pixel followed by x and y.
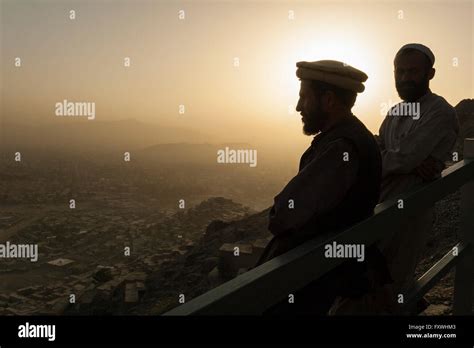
pixel 463 282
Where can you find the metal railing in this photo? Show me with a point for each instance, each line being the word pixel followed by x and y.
pixel 260 288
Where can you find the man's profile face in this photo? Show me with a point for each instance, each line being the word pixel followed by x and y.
pixel 411 76
pixel 309 106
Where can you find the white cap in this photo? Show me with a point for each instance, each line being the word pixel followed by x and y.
pixel 419 47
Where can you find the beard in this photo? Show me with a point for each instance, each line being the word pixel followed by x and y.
pixel 309 127
pixel 410 90
pixel 314 121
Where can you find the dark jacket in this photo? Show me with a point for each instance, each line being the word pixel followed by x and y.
pixel 359 202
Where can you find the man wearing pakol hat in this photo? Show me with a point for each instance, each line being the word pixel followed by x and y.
pixel 337 185
pixel 414 150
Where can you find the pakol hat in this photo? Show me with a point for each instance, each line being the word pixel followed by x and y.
pixel 332 72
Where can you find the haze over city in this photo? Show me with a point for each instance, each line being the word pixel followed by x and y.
pixel 230 64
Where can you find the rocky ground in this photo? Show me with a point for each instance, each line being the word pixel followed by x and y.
pixel 172 257
pixel 443 239
pixel 167 284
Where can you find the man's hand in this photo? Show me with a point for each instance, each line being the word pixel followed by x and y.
pixel 429 169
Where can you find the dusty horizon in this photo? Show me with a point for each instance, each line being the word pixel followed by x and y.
pixel 222 69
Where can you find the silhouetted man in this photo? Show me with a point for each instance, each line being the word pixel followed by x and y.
pixel 416 138
pixel 338 182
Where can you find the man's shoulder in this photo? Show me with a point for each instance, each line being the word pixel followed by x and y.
pixel 438 103
pixel 351 135
pixel 359 131
pixel 341 143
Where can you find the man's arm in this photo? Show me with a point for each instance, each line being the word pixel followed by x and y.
pixel 419 144
pixel 430 168
pixel 380 137
pixel 316 189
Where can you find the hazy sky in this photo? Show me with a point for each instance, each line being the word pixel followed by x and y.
pixel 191 61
